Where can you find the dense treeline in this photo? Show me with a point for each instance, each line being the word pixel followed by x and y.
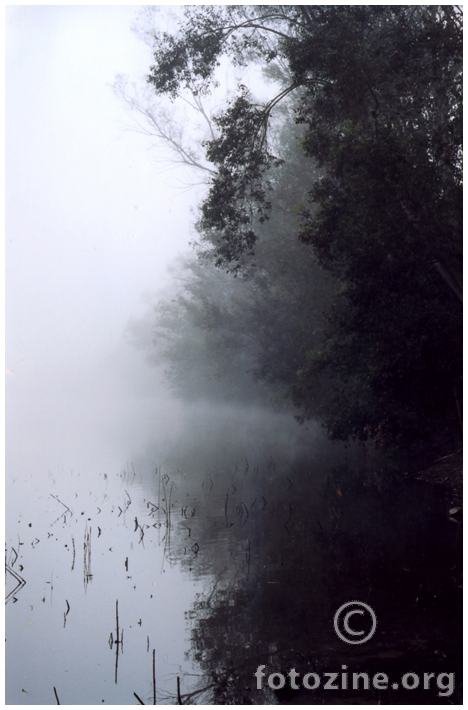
pixel 329 259
pixel 219 335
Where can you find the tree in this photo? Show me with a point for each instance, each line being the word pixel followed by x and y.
pixel 167 128
pixel 377 90
pixel 396 69
pixel 217 333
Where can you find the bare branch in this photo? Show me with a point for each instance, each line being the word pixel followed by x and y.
pixel 160 124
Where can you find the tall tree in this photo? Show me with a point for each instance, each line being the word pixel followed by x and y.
pixel 377 90
pixel 378 69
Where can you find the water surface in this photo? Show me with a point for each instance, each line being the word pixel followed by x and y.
pixel 227 547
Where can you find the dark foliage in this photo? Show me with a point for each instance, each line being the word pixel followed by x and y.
pixel 377 90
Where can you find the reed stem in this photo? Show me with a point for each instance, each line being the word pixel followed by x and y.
pixel 154 677
pixel 179 697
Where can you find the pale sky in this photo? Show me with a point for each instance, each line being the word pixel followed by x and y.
pixel 91 224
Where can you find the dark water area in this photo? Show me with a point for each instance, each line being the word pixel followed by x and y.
pixel 281 544
pixel 233 554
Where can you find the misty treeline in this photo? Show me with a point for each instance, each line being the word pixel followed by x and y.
pixel 327 263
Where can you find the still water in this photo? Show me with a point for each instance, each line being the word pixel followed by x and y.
pixel 224 548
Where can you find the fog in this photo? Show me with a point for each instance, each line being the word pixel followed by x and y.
pixel 135 431
pixel 91 224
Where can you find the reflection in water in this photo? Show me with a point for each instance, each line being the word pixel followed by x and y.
pixel 176 581
pixel 282 548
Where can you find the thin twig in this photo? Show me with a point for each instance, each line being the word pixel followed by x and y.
pixel 56 696
pixel 58 499
pixel 448 456
pixel 154 677
pixel 20 582
pixel 138 698
pixel 197 692
pixel 179 697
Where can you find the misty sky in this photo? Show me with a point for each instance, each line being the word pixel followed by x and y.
pixel 92 222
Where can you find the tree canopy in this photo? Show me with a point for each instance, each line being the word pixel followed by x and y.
pixel 375 93
pixel 368 73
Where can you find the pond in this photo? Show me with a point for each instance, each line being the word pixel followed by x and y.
pixel 223 552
